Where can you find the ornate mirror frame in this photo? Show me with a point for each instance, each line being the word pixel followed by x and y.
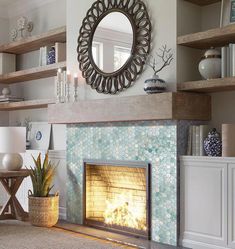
pixel 137 14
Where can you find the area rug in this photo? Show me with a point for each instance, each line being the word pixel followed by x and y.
pixel 19 235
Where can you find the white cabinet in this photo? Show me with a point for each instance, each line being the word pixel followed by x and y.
pixel 207 202
pixel 231 205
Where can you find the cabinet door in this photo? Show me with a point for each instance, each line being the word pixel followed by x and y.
pixel 26 185
pixel 231 205
pixel 204 202
pixel 59 158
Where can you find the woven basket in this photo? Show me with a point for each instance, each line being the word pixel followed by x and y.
pixel 44 211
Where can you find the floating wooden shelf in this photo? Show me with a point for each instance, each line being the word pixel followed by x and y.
pixel 23 105
pixel 164 106
pixel 32 73
pixel 209 86
pixel 203 2
pixel 35 42
pixel 210 38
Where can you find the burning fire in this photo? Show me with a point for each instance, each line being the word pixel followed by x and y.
pixel 123 211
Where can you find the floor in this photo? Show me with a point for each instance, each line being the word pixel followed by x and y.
pixel 19 235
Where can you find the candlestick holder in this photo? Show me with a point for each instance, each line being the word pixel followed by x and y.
pixel 75 92
pixel 57 90
pixel 67 92
pixel 63 92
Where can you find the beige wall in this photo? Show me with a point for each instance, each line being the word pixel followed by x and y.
pixel 4 32
pixel 163 16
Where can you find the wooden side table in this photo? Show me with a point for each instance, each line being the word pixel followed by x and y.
pixel 11 181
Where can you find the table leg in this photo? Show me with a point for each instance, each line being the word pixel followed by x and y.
pixel 12 209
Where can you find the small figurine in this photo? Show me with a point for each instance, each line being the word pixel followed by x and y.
pixel 24 29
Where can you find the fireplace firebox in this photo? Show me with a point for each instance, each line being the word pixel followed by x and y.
pixel 117 196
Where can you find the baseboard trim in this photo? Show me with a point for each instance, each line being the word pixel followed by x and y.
pixel 62 213
pixel 199 245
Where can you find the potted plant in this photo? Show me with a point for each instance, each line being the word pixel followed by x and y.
pixel 43 207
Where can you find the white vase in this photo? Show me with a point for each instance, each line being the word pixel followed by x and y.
pixel 210 65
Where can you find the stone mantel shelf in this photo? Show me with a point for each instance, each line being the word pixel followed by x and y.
pixel 164 106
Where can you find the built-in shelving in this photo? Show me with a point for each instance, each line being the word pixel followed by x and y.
pixel 203 2
pixel 24 46
pixel 32 73
pixel 35 42
pixel 209 86
pixel 211 38
pixel 23 105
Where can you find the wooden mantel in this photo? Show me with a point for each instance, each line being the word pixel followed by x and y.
pixel 164 106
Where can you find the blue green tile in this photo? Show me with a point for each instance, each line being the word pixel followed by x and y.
pixel 154 142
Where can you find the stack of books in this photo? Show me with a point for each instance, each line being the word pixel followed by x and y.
pixel 228 61
pixel 43 53
pixel 196 136
pixel 9 98
pixel 60 53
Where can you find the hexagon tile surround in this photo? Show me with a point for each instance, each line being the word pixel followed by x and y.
pixel 152 141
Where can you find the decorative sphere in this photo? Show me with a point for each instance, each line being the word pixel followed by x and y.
pixel 6 91
pixel 12 162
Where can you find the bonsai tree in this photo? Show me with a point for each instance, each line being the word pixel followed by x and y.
pixel 165 55
pixel 42 176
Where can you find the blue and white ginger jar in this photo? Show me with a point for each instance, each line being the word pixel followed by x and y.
pixel 154 85
pixel 51 56
pixel 213 144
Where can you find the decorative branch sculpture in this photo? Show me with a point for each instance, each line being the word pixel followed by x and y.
pixel 165 54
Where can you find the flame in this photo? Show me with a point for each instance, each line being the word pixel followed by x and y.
pixel 123 212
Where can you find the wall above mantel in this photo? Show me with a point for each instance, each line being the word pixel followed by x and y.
pixel 164 106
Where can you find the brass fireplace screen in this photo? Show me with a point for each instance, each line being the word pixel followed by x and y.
pixel 117 196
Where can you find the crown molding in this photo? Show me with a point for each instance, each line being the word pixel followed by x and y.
pixel 21 7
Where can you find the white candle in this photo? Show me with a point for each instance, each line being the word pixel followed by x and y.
pixel 69 77
pixel 75 79
pixel 59 74
pixel 65 77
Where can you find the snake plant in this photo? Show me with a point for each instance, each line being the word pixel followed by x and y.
pixel 42 176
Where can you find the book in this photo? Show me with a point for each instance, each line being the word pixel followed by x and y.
pixel 10 100
pixel 40 57
pixel 204 129
pixel 194 140
pixel 224 62
pixel 232 59
pixel 197 141
pixel 7 63
pixel 43 52
pixel 8 96
pixel 228 62
pixel 190 134
pixel 60 52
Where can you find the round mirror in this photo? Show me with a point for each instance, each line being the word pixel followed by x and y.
pixel 112 42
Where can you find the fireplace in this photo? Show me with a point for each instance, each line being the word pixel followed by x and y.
pixel 117 196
